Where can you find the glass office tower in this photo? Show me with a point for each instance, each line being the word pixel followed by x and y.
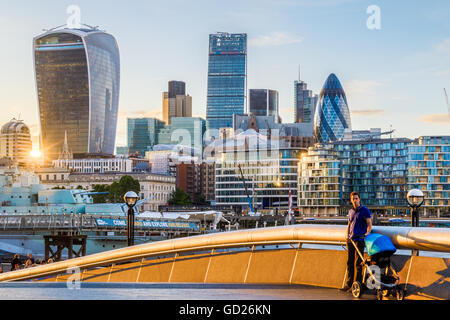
pixel 264 102
pixel 184 131
pixel 332 115
pixel 78 80
pixel 227 79
pixel 305 103
pixel 143 134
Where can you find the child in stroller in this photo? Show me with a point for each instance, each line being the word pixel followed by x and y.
pixel 378 272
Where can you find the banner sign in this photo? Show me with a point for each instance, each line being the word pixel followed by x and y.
pixel 147 224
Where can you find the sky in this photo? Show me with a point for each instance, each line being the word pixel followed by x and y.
pixel 393 74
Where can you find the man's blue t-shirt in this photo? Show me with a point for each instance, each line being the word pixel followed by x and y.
pixel 358 225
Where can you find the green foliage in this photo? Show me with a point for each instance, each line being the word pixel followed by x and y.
pixel 179 198
pixel 200 200
pixel 118 189
pixel 101 198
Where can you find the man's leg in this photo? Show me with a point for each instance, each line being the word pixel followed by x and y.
pixel 350 263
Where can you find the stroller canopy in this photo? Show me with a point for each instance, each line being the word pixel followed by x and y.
pixel 377 243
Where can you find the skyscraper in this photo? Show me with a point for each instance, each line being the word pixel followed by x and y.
pixel 332 115
pixel 264 102
pixel 175 102
pixel 78 81
pixel 177 88
pixel 305 103
pixel 227 79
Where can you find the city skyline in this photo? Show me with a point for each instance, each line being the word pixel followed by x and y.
pixel 396 73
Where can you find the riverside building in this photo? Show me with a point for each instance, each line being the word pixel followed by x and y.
pixel 269 168
pixel 376 168
pixel 429 171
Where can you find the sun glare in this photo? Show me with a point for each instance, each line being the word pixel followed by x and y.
pixel 35 154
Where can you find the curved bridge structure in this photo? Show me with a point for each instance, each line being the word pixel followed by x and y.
pixel 257 256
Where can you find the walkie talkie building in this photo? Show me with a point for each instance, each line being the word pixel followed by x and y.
pixel 78 81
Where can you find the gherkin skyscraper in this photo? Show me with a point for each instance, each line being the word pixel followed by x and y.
pixel 332 115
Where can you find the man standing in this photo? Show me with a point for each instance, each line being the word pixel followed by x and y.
pixel 359 226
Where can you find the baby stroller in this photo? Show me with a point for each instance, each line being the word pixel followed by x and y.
pixel 378 272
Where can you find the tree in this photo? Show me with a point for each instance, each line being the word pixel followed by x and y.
pixel 118 189
pixel 200 200
pixel 179 198
pixel 101 198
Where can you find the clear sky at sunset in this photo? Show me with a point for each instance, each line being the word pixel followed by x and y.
pixel 392 76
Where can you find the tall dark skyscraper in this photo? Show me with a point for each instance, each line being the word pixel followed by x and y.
pixel 305 103
pixel 177 88
pixel 264 102
pixel 227 79
pixel 175 102
pixel 78 81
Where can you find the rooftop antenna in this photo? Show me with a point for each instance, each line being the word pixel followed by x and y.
pixel 299 73
pixel 448 104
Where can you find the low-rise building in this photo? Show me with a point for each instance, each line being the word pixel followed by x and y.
pixel 95 165
pixel 160 187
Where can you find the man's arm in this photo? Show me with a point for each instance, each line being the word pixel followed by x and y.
pixel 369 226
pixel 348 230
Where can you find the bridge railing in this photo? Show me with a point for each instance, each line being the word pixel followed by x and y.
pixel 80 223
pixel 44 222
pixel 427 239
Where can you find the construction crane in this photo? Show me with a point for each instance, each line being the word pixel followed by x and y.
pixel 448 104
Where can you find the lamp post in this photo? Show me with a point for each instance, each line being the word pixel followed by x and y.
pixel 415 200
pixel 130 199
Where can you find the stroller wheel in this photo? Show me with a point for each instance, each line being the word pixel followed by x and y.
pixel 357 289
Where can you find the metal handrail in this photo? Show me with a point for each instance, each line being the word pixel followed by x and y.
pixel 429 239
